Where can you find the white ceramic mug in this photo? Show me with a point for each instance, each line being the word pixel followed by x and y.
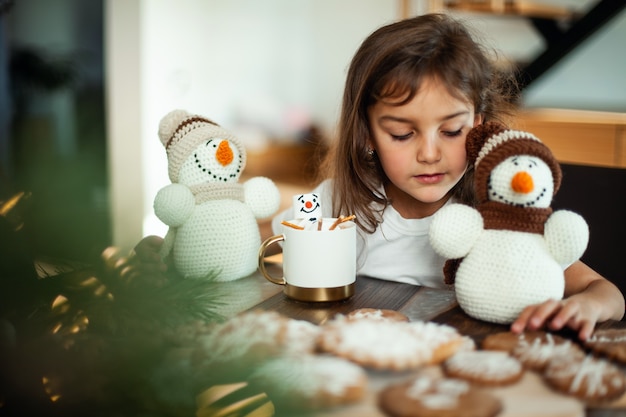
pixel 318 265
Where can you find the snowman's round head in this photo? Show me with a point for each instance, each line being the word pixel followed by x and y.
pixel 523 181
pixel 513 160
pixel 199 150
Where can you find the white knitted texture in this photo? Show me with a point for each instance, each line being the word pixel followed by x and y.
pixel 454 230
pixel 567 235
pixel 499 139
pixel 502 271
pixel 181 133
pixel 221 237
pixel 174 204
pixel 505 272
pixel 262 196
pixel 501 177
pixel 213 233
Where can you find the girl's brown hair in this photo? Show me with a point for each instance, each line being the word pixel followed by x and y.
pixel 392 62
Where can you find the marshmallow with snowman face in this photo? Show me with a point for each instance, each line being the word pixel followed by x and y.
pixel 307 207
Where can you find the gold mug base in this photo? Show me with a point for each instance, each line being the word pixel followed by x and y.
pixel 319 294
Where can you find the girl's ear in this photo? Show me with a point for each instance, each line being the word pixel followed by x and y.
pixel 478 119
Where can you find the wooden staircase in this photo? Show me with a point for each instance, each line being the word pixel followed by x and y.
pixel 524 8
pixel 562 28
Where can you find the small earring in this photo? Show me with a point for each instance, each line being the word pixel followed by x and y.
pixel 370 153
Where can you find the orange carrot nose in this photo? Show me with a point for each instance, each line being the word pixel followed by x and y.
pixel 522 182
pixel 224 154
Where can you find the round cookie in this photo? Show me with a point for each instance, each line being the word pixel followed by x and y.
pixel 507 341
pixel 248 337
pixel 484 367
pixel 256 335
pixel 300 337
pixel 535 353
pixel 376 314
pixel 389 345
pixel 609 342
pixel 310 382
pixel 589 379
pixel 428 396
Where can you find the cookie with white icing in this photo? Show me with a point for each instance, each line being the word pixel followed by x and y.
pixel 376 314
pixel 536 353
pixel 508 340
pixel 429 396
pixel 252 337
pixel 389 345
pixel 589 379
pixel 249 337
pixel 310 382
pixel 300 337
pixel 484 367
pixel 610 343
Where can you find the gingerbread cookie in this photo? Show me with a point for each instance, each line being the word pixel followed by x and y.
pixel 250 337
pixel 589 379
pixel 428 396
pixel 389 345
pixel 507 341
pixel 300 337
pixel 467 344
pixel 376 314
pixel 535 353
pixel 310 382
pixel 610 343
pixel 484 367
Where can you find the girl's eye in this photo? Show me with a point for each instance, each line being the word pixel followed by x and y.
pixel 402 137
pixel 453 133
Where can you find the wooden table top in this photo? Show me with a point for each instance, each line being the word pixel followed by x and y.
pixel 418 303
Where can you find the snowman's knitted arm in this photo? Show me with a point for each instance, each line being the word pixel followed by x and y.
pixel 454 230
pixel 174 204
pixel 262 196
pixel 566 234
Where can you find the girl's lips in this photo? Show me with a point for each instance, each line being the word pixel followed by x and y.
pixel 429 178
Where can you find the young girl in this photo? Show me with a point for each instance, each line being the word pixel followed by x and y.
pixel 413 91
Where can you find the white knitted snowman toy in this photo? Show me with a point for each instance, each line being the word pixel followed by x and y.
pixel 213 230
pixel 510 251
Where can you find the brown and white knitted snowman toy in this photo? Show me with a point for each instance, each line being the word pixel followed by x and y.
pixel 213 230
pixel 510 251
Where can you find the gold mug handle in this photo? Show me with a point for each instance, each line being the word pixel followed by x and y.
pixel 269 241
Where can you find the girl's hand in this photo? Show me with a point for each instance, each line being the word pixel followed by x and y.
pixel 147 252
pixel 574 312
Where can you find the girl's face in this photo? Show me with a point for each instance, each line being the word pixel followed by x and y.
pixel 421 147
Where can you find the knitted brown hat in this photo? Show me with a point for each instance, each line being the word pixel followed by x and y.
pixel 490 143
pixel 181 132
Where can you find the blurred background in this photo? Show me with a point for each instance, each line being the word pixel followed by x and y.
pixel 84 83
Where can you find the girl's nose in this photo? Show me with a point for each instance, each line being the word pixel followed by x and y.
pixel 428 151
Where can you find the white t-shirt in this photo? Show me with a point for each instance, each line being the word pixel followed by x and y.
pixel 398 250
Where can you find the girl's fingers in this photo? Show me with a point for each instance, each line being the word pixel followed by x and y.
pixel 566 315
pixel 534 317
pixel 586 330
pixel 555 314
pixel 543 312
pixel 521 322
